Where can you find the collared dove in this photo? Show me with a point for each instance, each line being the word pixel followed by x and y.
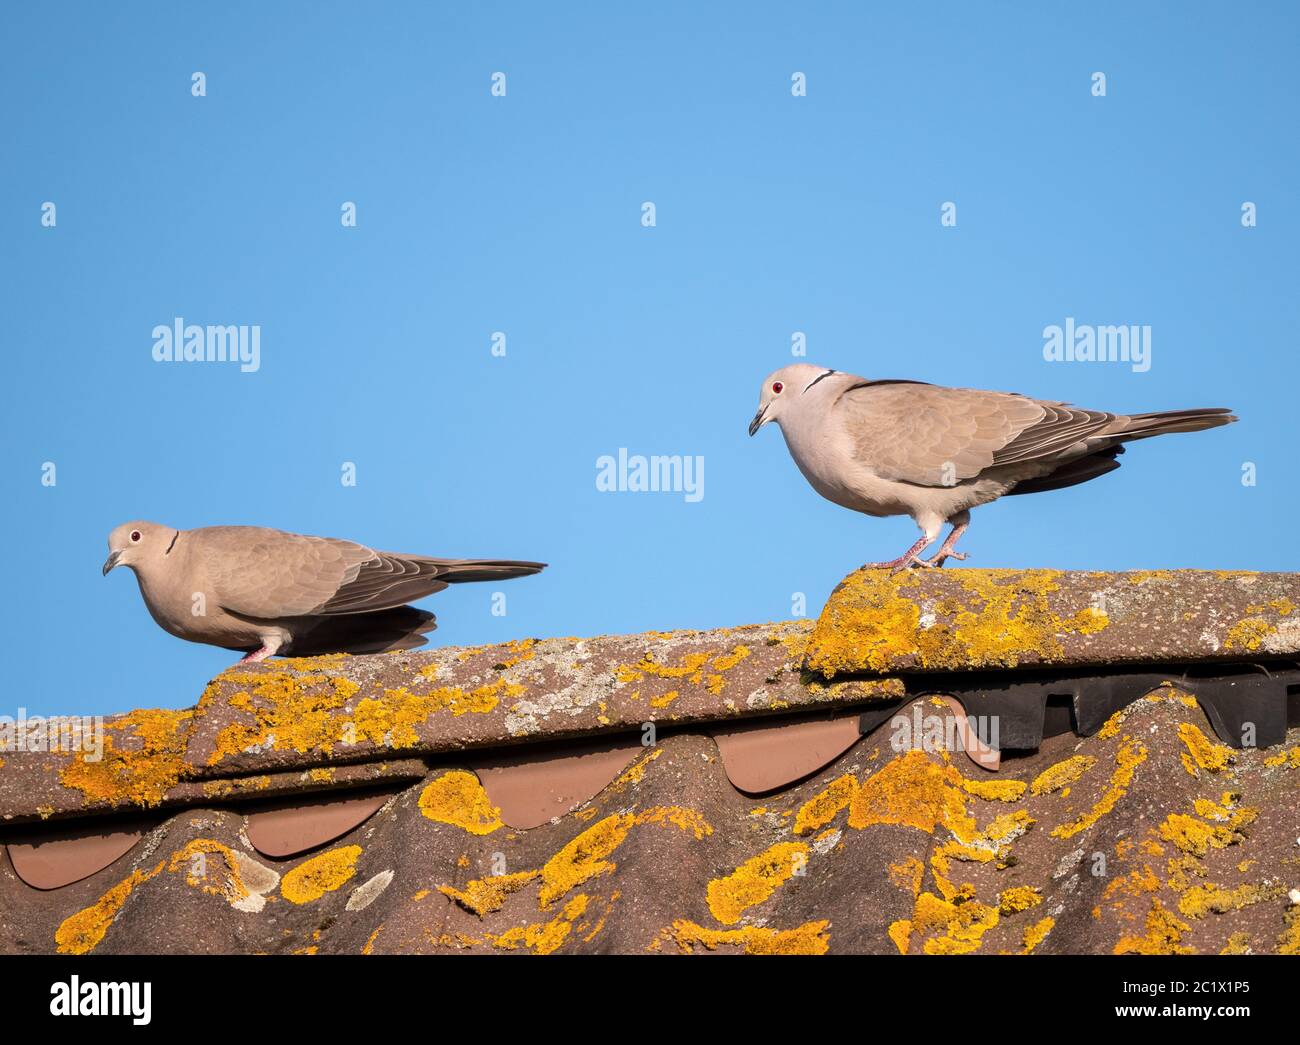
pixel 264 591
pixel 911 448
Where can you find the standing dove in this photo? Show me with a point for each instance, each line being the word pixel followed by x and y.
pixel 911 448
pixel 264 591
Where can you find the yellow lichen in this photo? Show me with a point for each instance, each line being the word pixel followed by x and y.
pixel 83 931
pixel 809 938
pixel 1202 753
pixel 1131 755
pixel 915 792
pixel 585 856
pixel 545 937
pixel 322 874
pixel 1018 898
pixel 1197 838
pixel 193 859
pixel 908 875
pixel 143 758
pixel 900 933
pixel 484 895
pixel 1248 635
pixel 826 805
pixel 952 928
pixel 1290 759
pixel 457 798
pixel 1061 775
pixel 1164 934
pixel 755 881
pixel 1201 900
pixel 1036 934
pixel 995 790
pixel 994 618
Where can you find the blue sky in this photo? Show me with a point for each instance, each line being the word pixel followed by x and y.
pixel 523 214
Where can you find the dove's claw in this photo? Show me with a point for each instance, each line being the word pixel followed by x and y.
pixel 959 523
pixel 909 558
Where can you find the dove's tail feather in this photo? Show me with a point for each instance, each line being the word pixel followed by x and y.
pixel 1072 473
pixel 399 628
pixel 457 571
pixel 1142 426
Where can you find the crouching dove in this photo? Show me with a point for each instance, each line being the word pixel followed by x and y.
pixel 934 453
pixel 265 591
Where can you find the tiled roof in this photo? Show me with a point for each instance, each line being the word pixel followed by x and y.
pixel 745 788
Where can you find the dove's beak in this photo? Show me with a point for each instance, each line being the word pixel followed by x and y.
pixel 759 420
pixel 113 559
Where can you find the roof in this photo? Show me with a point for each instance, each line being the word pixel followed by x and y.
pixel 747 788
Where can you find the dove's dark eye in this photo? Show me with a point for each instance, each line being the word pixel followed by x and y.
pixel 776 387
pixel 135 535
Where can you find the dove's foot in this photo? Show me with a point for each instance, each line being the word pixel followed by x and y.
pixel 959 523
pixel 269 647
pixel 907 560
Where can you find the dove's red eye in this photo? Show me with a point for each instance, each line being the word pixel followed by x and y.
pixel 135 535
pixel 776 387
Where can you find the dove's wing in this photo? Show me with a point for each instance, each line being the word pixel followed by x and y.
pixel 269 574
pixel 935 436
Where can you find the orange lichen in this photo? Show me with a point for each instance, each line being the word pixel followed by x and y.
pixel 900 934
pixel 322 874
pixel 1202 753
pixel 826 805
pixel 755 880
pixel 699 669
pixel 1061 775
pixel 545 937
pixel 392 720
pixel 193 859
pixel 585 856
pixel 1131 755
pixel 457 798
pixel 915 792
pixel 1248 635
pixel 994 618
pixel 1197 838
pixel 809 938
pixel 666 699
pixel 636 771
pixel 1036 934
pixel 83 931
pixel 484 895
pixel 1164 934
pixel 1200 900
pixel 1019 898
pixel 299 706
pixel 952 928
pixel 908 874
pixel 143 758
pixel 290 710
pixel 995 790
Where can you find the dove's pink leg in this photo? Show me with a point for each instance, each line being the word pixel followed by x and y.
pixel 960 522
pixel 908 558
pixel 269 646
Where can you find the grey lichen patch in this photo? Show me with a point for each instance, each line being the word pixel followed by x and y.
pixel 366 893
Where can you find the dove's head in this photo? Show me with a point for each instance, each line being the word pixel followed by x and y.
pixel 137 544
pixel 784 390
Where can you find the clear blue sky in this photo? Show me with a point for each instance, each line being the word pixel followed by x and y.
pixel 522 214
